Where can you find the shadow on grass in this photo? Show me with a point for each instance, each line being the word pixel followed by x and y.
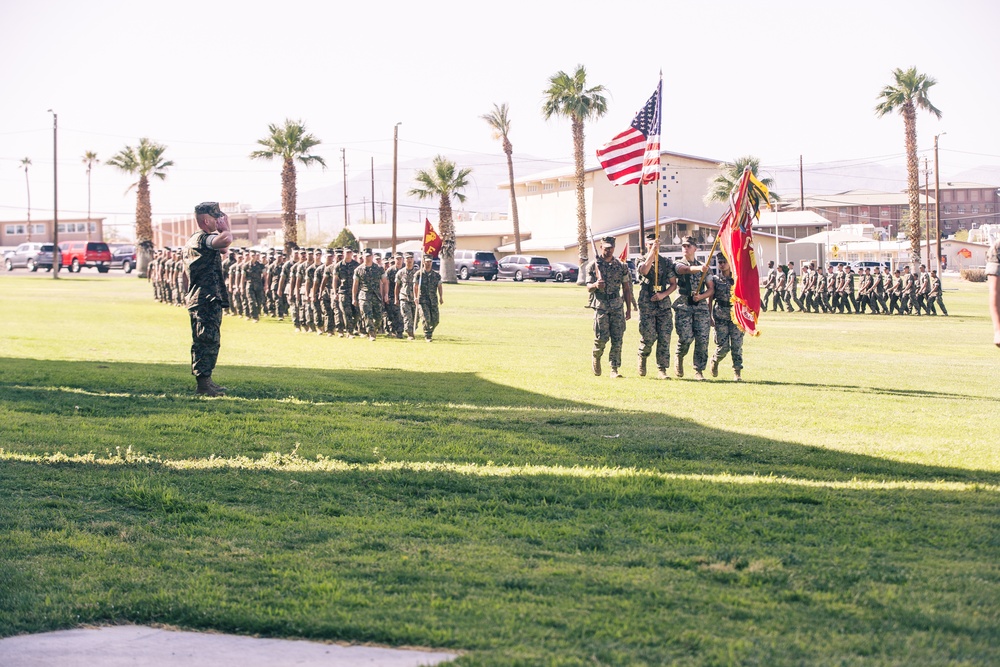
pixel 882 391
pixel 366 416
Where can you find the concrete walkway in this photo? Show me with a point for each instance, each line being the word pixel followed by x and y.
pixel 136 645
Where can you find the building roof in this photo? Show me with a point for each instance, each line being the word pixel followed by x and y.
pixel 963 185
pixel 805 218
pixel 857 198
pixel 415 230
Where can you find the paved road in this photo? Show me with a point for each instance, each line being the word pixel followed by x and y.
pixel 131 645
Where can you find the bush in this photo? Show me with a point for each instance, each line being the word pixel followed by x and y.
pixel 974 275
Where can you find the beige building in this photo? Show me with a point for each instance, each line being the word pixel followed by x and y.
pixel 885 211
pixel 15 232
pixel 469 234
pixel 967 205
pixel 250 228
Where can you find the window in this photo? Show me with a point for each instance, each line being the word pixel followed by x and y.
pixel 93 226
pixel 548 186
pixel 974 195
pixel 532 188
pixel 38 229
pixel 14 229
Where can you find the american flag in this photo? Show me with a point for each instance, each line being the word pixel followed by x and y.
pixel 635 153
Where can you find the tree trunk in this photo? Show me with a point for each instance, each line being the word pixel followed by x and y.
pixel 288 206
pixel 581 202
pixel 912 182
pixel 509 150
pixel 447 241
pixel 143 227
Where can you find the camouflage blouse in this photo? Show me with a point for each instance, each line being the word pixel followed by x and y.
pixel 406 279
pixel 206 285
pixel 616 279
pixel 993 260
pixel 369 279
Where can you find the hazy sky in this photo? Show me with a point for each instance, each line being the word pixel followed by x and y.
pixel 775 79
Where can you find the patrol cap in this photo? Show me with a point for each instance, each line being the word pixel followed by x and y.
pixel 721 257
pixel 608 242
pixel 427 258
pixel 688 240
pixel 408 255
pixel 651 236
pixel 368 252
pixel 208 208
pixel 399 255
pixel 388 254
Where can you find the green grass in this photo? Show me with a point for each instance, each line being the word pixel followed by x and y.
pixel 486 493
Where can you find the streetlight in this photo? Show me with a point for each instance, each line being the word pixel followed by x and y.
pixel 56 255
pixel 937 203
pixel 395 164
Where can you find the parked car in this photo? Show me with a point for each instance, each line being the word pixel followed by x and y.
pixel 31 256
pixel 123 257
pixel 469 263
pixel 565 271
pixel 521 267
pixel 92 254
pixel 868 265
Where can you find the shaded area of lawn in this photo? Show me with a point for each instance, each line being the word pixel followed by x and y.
pixel 367 416
pixel 537 570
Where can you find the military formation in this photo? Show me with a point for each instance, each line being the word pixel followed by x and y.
pixel 324 291
pixel 702 303
pixel 842 290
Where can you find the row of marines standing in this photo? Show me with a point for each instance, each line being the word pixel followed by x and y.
pixel 324 291
pixel 901 291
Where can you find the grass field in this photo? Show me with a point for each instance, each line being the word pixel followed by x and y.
pixel 487 494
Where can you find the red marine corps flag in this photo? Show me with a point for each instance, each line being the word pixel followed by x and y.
pixel 432 240
pixel 736 238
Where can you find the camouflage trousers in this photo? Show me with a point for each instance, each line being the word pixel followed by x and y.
pixel 315 313
pixel 728 337
pixel 779 301
pixel 609 324
pixel 349 314
pixel 393 319
pixel 256 300
pixel 329 316
pixel 693 326
pixel 931 301
pixel 371 313
pixel 656 323
pixel 408 310
pixel 206 324
pixel 767 297
pixel 430 316
pixel 791 295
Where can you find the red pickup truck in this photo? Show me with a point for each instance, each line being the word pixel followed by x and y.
pixel 78 254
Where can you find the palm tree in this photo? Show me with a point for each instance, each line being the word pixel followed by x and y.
pixel 144 160
pixel 500 122
pixel 443 180
pixel 729 175
pixel 289 143
pixel 905 95
pixel 568 96
pixel 25 163
pixel 89 159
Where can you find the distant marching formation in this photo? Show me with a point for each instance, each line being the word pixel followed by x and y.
pixel 321 290
pixel 842 290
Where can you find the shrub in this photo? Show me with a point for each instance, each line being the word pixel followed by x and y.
pixel 974 275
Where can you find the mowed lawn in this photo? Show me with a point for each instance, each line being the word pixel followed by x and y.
pixel 486 493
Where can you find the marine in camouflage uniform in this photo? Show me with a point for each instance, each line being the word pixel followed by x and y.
pixel 255 286
pixel 393 317
pixel 769 284
pixel 792 289
pixel 728 337
pixel 656 320
pixel 923 289
pixel 406 281
pixel 430 294
pixel 610 287
pixel 206 297
pixel 369 293
pixel 993 285
pixel 692 318
pixel 908 300
pixel 285 280
pixel 344 287
pixel 934 295
pixel 325 277
pixel 314 276
pixel 780 287
pixel 878 289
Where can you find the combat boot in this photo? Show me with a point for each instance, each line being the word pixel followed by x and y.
pixel 615 374
pixel 217 387
pixel 205 387
pixel 597 365
pixel 715 368
pixel 736 377
pixel 698 376
pixel 662 375
pixel 679 369
pixel 642 366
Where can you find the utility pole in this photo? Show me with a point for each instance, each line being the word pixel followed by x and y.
pixel 343 158
pixel 937 202
pixel 56 255
pixel 927 212
pixel 395 166
pixel 802 188
pixel 373 190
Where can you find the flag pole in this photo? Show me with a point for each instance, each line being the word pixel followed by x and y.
pixel 642 221
pixel 656 260
pixel 736 219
